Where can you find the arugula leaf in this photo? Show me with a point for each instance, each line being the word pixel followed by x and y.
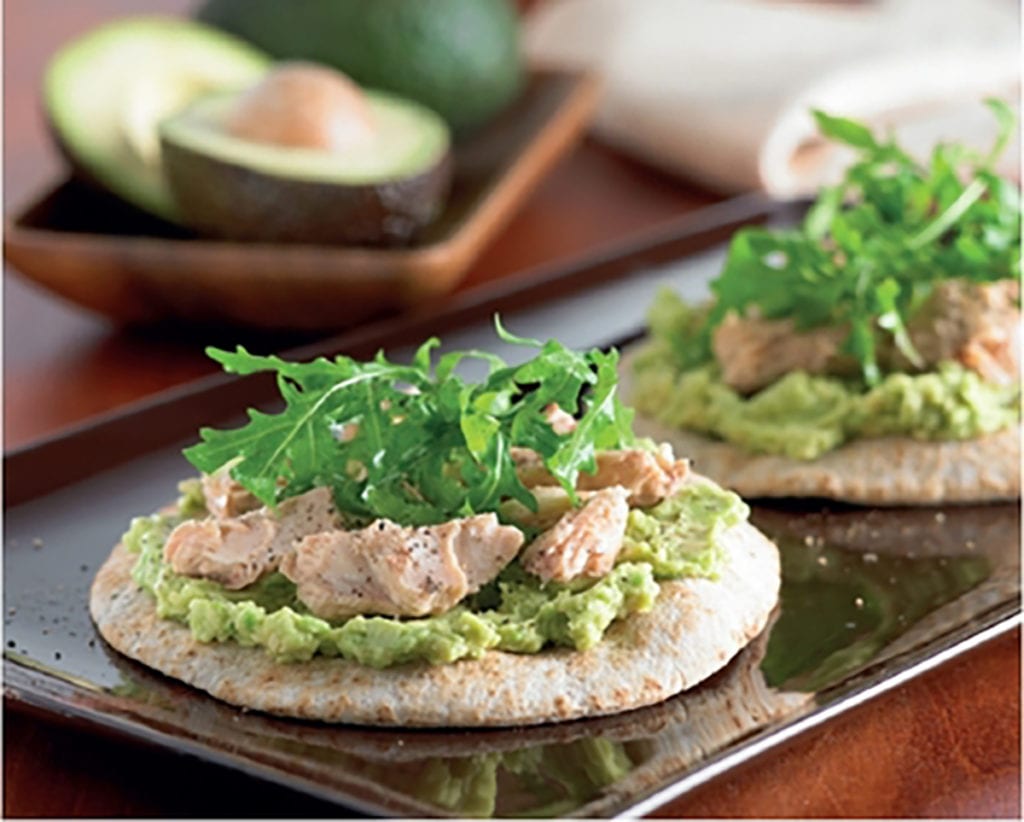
pixel 427 446
pixel 873 246
pixel 844 130
pixel 1007 120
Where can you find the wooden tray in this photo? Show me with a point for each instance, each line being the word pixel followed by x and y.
pixel 101 254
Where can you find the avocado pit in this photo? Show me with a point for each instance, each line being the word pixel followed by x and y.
pixel 302 105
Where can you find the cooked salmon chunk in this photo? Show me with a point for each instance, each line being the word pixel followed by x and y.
pixel 584 542
pixel 237 551
pixel 562 422
pixel 975 324
pixel 755 352
pixel 386 568
pixel 552 503
pixel 649 476
pixel 226 497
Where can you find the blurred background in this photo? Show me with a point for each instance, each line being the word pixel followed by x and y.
pixel 698 102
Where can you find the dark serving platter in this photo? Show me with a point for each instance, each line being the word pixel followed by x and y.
pixel 870 597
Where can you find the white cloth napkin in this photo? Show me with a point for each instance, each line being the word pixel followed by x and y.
pixel 720 90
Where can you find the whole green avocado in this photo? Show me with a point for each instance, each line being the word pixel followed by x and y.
pixel 458 57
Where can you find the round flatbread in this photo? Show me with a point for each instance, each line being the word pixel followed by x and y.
pixel 879 471
pixel 392 768
pixel 729 703
pixel 695 628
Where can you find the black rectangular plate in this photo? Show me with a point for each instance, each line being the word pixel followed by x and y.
pixel 893 592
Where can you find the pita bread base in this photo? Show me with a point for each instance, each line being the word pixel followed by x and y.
pixel 695 628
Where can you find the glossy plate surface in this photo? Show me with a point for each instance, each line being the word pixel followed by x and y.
pixel 870 598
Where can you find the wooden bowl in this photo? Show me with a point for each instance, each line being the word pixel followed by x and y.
pixel 96 251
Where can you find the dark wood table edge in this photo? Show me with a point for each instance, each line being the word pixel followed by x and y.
pixel 998 622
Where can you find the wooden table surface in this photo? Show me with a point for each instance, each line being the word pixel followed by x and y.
pixel 945 744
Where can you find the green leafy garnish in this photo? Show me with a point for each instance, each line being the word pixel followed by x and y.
pixel 427 446
pixel 872 247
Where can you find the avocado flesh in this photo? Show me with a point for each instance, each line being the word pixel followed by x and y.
pixel 106 92
pixel 409 140
pixel 458 57
pixel 378 192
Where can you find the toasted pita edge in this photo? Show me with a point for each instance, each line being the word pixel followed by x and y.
pixel 876 471
pixel 695 628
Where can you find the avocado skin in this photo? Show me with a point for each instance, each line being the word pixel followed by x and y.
pixel 234 202
pixel 459 57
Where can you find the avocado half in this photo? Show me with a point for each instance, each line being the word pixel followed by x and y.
pixel 380 192
pixel 105 93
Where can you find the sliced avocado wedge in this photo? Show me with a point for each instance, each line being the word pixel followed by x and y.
pixel 379 191
pixel 105 93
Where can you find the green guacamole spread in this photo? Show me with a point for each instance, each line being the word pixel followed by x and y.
pixel 516 613
pixel 803 416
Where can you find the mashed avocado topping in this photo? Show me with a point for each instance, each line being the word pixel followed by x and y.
pixel 681 536
pixel 517 613
pixel 803 416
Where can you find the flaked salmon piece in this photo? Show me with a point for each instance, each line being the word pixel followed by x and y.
pixel 754 352
pixel 649 476
pixel 562 422
pixel 389 569
pixel 975 324
pixel 236 552
pixel 233 552
pixel 552 503
pixel 226 497
pixel 584 542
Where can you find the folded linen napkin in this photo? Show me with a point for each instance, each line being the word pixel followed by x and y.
pixel 721 90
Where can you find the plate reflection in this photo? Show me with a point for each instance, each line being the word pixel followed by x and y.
pixel 859 587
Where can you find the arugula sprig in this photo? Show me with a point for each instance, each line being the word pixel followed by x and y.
pixel 427 446
pixel 871 248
